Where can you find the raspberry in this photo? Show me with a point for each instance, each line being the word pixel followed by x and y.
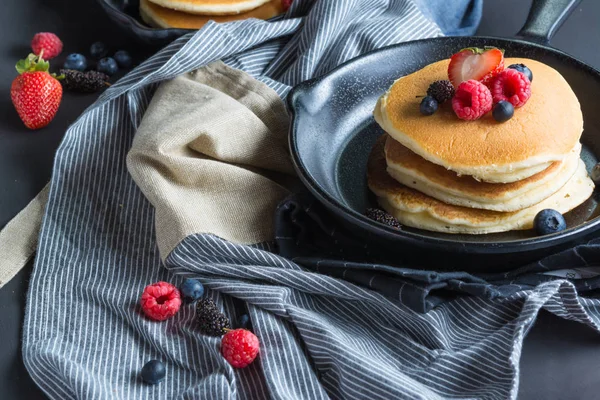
pixel 471 100
pixel 160 301
pixel 512 86
pixel 48 42
pixel 286 4
pixel 239 347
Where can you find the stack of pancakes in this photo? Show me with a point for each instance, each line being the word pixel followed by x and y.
pixel 444 174
pixel 193 14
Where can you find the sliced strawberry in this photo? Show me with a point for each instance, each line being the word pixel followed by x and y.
pixel 474 63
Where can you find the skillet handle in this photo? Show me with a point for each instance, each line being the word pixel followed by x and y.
pixel 544 19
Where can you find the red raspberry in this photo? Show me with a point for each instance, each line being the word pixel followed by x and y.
pixel 512 86
pixel 286 4
pixel 48 42
pixel 160 301
pixel 471 100
pixel 239 347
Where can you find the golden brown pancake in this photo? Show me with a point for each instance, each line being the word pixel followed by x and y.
pixel 211 7
pixel 436 181
pixel 415 209
pixel 544 130
pixel 166 18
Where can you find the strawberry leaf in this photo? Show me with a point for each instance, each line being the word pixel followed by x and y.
pixel 22 66
pixel 42 66
pixel 32 63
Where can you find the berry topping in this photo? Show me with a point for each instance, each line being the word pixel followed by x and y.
pixel 239 347
pixel 153 372
pixel 523 68
pixel 512 86
pixel 286 4
pixel 191 290
pixel 381 216
pixel 474 63
pixel 107 66
pixel 75 61
pixel 160 301
pixel 210 319
pixel 595 174
pixel 441 91
pixel 98 50
pixel 47 42
pixel 123 58
pixel 549 221
pixel 428 105
pixel 35 93
pixel 84 82
pixel 245 322
pixel 503 111
pixel 472 100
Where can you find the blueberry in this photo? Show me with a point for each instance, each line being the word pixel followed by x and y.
pixel 503 111
pixel 108 66
pixel 595 174
pixel 75 61
pixel 191 290
pixel 98 50
pixel 153 372
pixel 428 105
pixel 245 321
pixel 523 68
pixel 549 221
pixel 123 58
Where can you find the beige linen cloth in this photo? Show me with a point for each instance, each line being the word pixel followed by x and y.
pixel 211 155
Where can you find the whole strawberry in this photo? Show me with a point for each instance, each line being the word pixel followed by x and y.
pixel 239 347
pixel 35 93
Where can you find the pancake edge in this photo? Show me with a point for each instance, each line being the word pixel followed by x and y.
pixel 214 9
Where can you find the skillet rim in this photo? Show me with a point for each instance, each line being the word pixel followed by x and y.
pixel 460 246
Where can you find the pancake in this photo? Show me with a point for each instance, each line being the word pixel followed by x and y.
pixel 161 17
pixel 544 130
pixel 436 181
pixel 211 7
pixel 415 209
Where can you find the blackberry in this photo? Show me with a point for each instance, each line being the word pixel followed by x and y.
pixel 212 321
pixel 381 216
pixel 85 82
pixel 441 91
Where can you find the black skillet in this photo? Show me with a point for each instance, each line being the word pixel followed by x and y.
pixel 333 131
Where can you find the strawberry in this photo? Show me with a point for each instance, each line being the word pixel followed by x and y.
pixel 474 63
pixel 35 93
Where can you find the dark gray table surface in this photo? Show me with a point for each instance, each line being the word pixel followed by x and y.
pixel 560 358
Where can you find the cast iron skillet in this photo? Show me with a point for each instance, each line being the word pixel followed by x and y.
pixel 332 132
pixel 125 13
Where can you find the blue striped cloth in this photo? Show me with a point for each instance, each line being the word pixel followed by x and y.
pixel 308 235
pixel 321 337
